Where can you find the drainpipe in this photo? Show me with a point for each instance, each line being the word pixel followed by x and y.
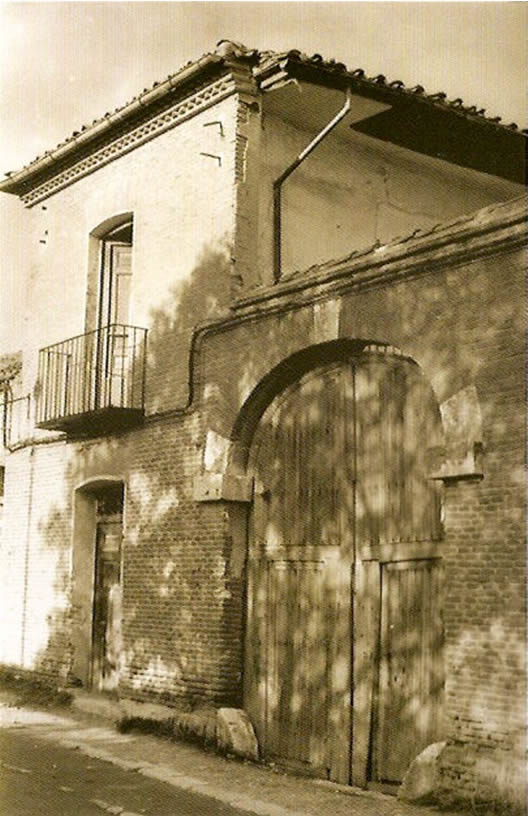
pixel 277 184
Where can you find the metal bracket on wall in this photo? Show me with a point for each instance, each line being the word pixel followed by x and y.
pixel 213 156
pixel 219 125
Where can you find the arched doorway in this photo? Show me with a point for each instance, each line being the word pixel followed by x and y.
pixel 343 666
pixel 97 582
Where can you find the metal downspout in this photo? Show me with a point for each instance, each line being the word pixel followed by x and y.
pixel 277 184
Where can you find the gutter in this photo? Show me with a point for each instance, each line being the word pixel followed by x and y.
pixel 277 184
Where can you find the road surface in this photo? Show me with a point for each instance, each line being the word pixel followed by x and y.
pixel 41 778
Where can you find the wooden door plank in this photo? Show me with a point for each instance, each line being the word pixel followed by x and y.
pixel 315 666
pixel 437 644
pixel 278 670
pixel 254 654
pixel 340 576
pixel 388 472
pixel 408 712
pixel 301 703
pixel 291 669
pixel 338 624
pixel 305 504
pixel 366 628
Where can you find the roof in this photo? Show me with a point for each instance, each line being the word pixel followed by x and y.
pixel 265 68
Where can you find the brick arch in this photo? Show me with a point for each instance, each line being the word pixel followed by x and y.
pixel 111 223
pixel 95 483
pixel 458 402
pixel 288 371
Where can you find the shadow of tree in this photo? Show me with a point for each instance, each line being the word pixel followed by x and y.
pixel 178 608
pixel 203 296
pixel 183 600
pixel 341 460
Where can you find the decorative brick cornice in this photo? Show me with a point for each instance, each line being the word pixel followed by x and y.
pixel 203 98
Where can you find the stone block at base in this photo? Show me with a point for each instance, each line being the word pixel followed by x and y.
pixel 235 733
pixel 422 778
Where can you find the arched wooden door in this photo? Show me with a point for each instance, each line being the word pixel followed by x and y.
pixel 340 461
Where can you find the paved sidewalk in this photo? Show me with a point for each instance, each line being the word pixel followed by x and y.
pixel 254 788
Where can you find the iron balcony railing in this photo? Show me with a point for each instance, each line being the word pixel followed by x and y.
pixel 15 420
pixel 101 372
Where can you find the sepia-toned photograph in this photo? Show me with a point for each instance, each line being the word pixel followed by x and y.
pixel 263 408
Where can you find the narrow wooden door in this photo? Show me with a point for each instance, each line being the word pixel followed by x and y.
pixel 410 671
pixel 107 605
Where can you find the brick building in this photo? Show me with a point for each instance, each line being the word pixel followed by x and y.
pixel 240 472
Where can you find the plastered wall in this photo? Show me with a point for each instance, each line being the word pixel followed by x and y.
pixel 182 204
pixel 354 191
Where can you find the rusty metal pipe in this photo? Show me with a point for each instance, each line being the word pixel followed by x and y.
pixel 277 184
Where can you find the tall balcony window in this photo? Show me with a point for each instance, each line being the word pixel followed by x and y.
pixel 95 382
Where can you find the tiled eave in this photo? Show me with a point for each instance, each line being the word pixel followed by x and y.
pixel 116 124
pixel 336 75
pixel 427 123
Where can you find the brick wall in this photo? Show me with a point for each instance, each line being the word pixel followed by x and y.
pixel 178 641
pixel 183 203
pixel 181 632
pixel 462 320
pixel 36 560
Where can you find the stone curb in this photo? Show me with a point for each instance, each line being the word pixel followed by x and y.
pixel 228 729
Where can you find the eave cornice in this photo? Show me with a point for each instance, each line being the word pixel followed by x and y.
pixel 195 88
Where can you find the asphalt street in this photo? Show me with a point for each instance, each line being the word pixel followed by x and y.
pixel 41 778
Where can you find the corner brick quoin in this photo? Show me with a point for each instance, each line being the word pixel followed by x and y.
pixel 322 442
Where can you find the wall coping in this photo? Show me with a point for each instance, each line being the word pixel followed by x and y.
pixel 494 229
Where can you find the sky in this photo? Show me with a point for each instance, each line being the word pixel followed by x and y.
pixel 64 64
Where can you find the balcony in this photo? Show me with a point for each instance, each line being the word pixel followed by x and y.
pixel 93 383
